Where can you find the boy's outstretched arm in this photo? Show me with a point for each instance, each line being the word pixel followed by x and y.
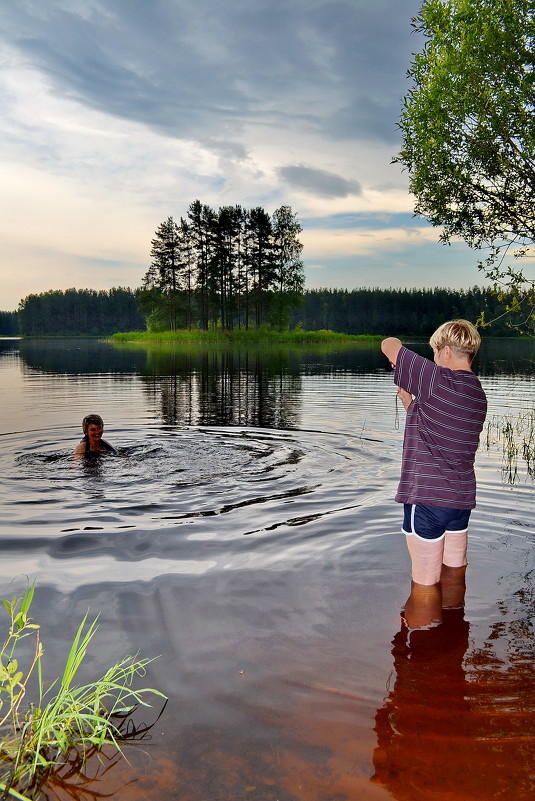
pixel 391 348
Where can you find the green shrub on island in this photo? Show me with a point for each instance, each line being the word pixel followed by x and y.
pixel 241 336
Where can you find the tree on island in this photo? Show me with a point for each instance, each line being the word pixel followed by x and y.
pixel 469 134
pixel 289 276
pixel 224 269
pixel 163 280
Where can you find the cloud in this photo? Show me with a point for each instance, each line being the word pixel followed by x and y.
pixel 119 113
pixel 206 69
pixel 325 243
pixel 318 182
pixel 368 118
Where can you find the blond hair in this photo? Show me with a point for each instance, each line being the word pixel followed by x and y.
pixel 92 419
pixel 462 337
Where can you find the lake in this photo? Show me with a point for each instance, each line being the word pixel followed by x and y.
pixel 249 538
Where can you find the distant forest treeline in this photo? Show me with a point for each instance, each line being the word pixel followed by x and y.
pixel 357 311
pixel 9 324
pixel 79 311
pixel 405 311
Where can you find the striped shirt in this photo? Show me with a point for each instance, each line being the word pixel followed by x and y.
pixel 442 431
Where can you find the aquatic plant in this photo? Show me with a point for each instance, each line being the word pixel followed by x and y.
pixel 517 436
pixel 66 723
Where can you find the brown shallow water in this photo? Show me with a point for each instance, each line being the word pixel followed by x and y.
pixel 250 538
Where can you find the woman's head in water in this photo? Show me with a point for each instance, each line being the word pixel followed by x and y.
pixel 92 419
pixel 93 426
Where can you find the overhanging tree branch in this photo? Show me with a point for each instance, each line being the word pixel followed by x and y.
pixel 469 131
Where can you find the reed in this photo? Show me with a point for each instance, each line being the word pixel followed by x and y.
pixel 516 433
pixel 38 738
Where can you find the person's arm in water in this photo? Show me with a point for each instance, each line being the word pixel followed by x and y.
pixel 106 447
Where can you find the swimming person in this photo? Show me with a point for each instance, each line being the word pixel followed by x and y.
pixel 446 408
pixel 93 426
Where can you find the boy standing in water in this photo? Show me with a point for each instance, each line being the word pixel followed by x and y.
pixel 93 427
pixel 446 408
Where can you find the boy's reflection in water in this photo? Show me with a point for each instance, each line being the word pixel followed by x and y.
pixel 422 728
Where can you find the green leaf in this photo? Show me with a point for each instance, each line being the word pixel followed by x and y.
pixel 16 678
pixel 27 599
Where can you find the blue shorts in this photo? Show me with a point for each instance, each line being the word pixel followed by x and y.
pixel 433 522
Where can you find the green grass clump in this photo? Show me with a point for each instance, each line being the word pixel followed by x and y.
pixel 242 336
pixel 38 739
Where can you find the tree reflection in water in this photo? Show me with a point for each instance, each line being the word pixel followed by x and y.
pixel 224 387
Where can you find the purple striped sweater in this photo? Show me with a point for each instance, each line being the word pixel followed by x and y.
pixel 442 431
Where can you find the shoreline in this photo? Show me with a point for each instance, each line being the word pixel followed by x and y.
pixel 242 337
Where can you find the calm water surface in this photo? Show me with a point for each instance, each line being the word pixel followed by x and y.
pixel 250 537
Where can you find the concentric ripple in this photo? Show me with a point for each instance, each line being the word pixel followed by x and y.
pixel 164 478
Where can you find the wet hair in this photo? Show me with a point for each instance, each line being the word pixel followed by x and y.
pixel 92 419
pixel 462 337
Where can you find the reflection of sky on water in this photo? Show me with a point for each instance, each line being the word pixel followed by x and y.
pixel 264 563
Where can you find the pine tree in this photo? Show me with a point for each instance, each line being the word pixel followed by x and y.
pixel 164 274
pixel 288 272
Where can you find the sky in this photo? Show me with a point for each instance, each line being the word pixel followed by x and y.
pixel 117 114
